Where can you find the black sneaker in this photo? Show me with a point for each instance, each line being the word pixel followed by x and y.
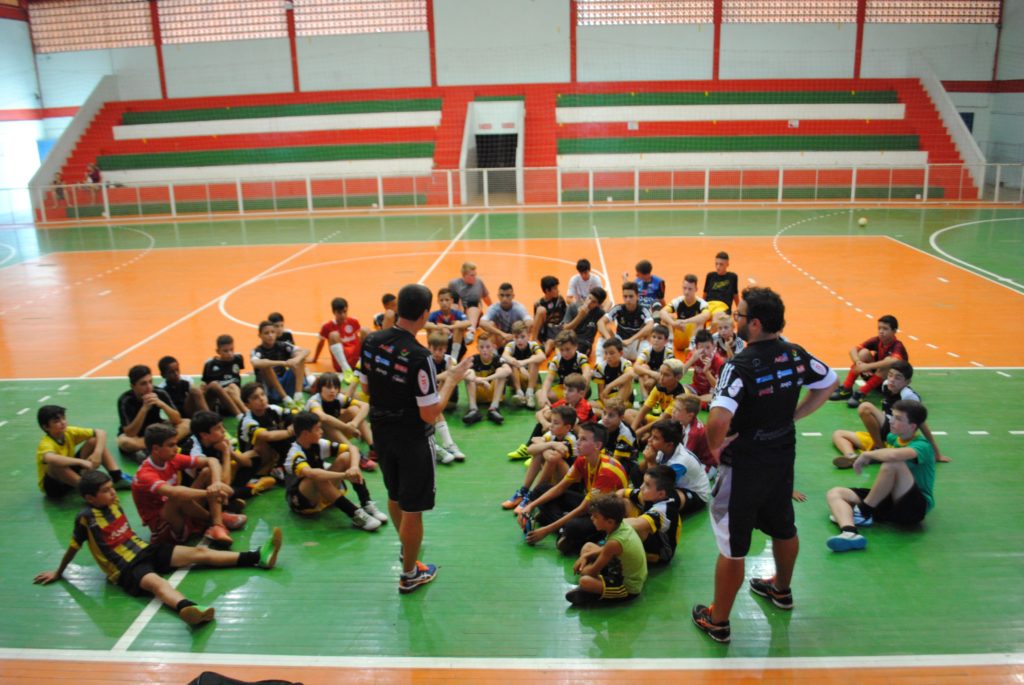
pixel 840 393
pixel 563 545
pixel 472 416
pixel 855 400
pixel 494 415
pixel 719 632
pixel 579 597
pixel 766 588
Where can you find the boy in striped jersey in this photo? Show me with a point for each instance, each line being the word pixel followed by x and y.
pixel 136 566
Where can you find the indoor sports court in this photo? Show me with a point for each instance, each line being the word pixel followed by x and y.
pixel 268 186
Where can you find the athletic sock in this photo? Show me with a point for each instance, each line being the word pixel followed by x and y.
pixel 851 377
pixel 866 510
pixel 115 474
pixel 871 384
pixel 441 429
pixel 456 348
pixel 363 492
pixel 849 529
pixel 338 352
pixel 249 559
pixel 538 431
pixel 346 506
pixel 184 604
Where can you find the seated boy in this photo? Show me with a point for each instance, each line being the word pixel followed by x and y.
pixel 568 361
pixel 485 381
pixel 633 323
pixel 685 315
pixel 444 446
pixel 139 408
pixel 550 454
pixel 616 570
pixel 283 334
pixel 895 387
pixel 450 321
pixel 871 360
pixel 279 365
pixel 65 452
pixel 694 435
pixel 621 441
pixel 209 439
pixel 726 341
pixel 187 397
pixel 342 417
pixel 386 318
pixel 344 339
pixel 651 357
pixel 575 391
pixel 659 402
pixel 903 489
pixel 584 319
pixel 651 288
pixel 265 429
pixel 222 376
pixel 665 447
pixel 562 508
pixel 582 283
pixel 524 357
pixel 548 314
pixel 706 364
pixel 174 512
pixel 653 512
pixel 136 566
pixel 312 486
pixel 614 375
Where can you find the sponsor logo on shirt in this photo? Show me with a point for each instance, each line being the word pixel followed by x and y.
pixel 818 368
pixel 801 368
pixel 760 380
pixel 782 358
pixel 402 368
pixel 784 372
pixel 766 391
pixel 383 361
pixel 787 384
pixel 423 380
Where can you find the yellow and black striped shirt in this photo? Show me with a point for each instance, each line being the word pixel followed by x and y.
pixel 111 539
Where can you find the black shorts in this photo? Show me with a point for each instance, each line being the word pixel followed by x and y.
pixel 906 511
pixel 690 500
pixel 55 489
pixel 406 458
pixel 154 559
pixel 745 499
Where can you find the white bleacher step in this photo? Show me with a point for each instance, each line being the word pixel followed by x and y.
pixel 770 160
pixel 783 112
pixel 367 168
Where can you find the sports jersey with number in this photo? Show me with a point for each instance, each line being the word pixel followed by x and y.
pixel 224 372
pixel 69 443
pixel 760 387
pixel 628 323
pixel 112 542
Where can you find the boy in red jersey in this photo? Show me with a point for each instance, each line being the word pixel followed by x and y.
pixel 706 364
pixel 344 338
pixel 872 359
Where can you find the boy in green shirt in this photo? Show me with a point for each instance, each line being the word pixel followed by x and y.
pixel 617 569
pixel 903 490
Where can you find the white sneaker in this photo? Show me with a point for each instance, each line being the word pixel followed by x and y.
pixel 531 401
pixel 443 455
pixel 371 508
pixel 519 399
pixel 363 520
pixel 456 453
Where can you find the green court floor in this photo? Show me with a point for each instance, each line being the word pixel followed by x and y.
pixel 952 586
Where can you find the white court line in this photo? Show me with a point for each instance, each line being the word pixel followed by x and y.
pixel 195 311
pixel 143 619
pixel 63 387
pixel 43 399
pixel 2 424
pixel 451 244
pixel 939 433
pixel 811 435
pixel 604 266
pixel 482 663
pixel 977 432
pixel 22 411
pixel 104 293
pixel 1006 375
pixel 956 266
pixel 1001 280
pixel 1011 432
pixel 12 253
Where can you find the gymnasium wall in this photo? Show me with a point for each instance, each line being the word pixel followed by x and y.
pixel 227 68
pixel 18 153
pixel 67 78
pixel 787 50
pixel 372 60
pixel 644 53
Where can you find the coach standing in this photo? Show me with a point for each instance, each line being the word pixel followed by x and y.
pixel 404 403
pixel 756 403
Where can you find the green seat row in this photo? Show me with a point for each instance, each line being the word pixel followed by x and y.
pixel 654 144
pixel 777 97
pixel 289 110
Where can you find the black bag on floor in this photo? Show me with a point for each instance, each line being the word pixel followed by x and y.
pixel 211 678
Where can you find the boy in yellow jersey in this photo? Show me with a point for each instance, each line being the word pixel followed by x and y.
pixel 648 363
pixel 524 357
pixel 685 315
pixel 136 566
pixel 659 402
pixel 65 452
pixel 486 380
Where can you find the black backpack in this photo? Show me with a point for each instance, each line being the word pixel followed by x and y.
pixel 211 678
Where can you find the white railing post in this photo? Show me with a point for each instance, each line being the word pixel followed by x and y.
pixel 309 195
pixel 590 186
pixel 41 199
pixel 558 186
pixel 924 189
pixel 636 185
pixel 707 184
pixel 106 200
pixel 451 191
pixel 853 185
pixel 380 191
pixel 999 175
pixel 170 195
pixel 238 194
pixel 780 184
pixel 487 188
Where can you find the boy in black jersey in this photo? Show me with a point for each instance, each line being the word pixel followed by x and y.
pixel 343 417
pixel 281 366
pixel 721 285
pixel 568 361
pixel 585 318
pixel 485 381
pixel 283 334
pixel 614 376
pixel 524 357
pixel 386 318
pixel 311 485
pixel 222 376
pixel 621 441
pixel 633 323
pixel 266 429
pixel 653 512
pixel 647 367
pixel 139 407
pixel 187 397
pixel 136 566
pixel 548 314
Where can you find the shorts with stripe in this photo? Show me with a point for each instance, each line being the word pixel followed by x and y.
pixel 613 581
pixel 749 498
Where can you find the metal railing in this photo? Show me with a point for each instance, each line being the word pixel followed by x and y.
pixel 495 188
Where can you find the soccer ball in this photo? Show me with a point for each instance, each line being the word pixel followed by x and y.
pixel 863 221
